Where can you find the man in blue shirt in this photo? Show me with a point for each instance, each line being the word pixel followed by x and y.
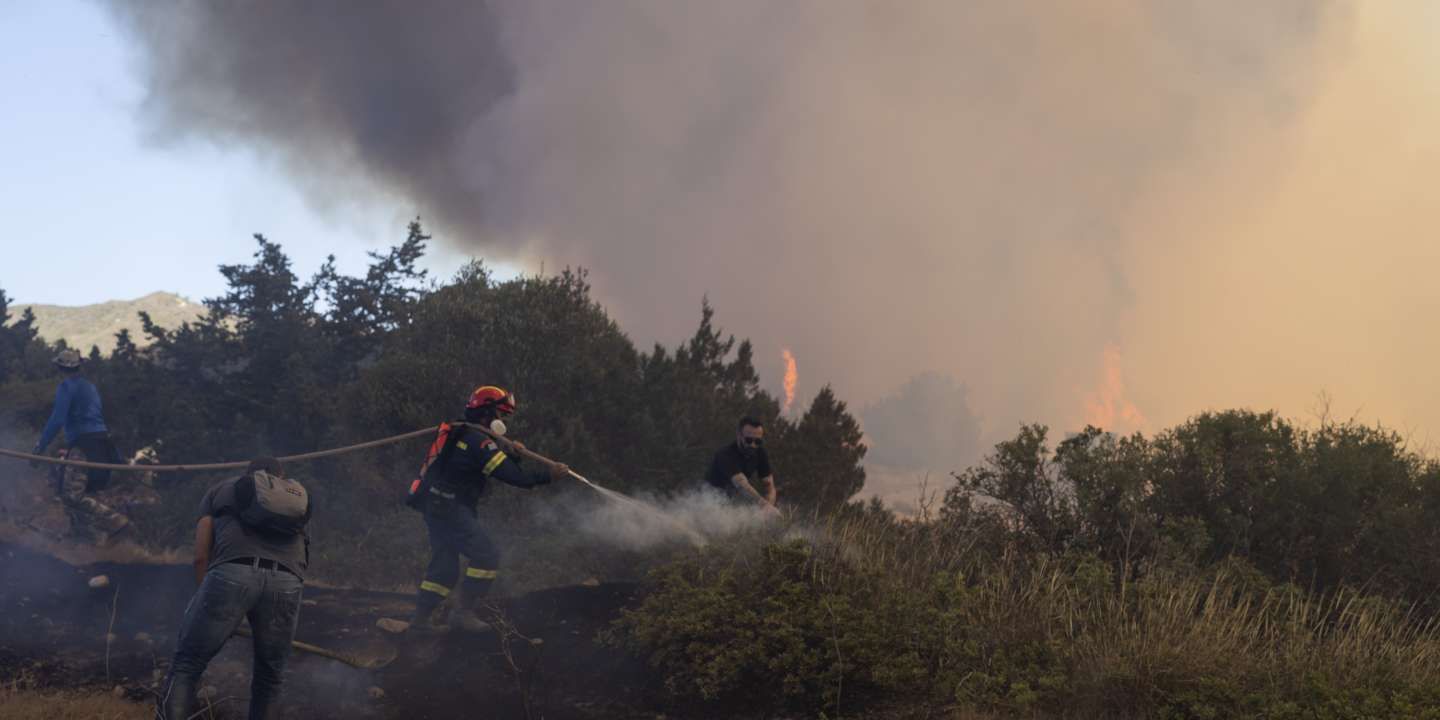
pixel 77 412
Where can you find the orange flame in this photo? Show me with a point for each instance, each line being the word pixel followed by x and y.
pixel 792 376
pixel 1107 407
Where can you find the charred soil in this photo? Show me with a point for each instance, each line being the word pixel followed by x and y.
pixel 57 632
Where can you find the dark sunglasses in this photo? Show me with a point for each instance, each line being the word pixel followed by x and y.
pixel 754 442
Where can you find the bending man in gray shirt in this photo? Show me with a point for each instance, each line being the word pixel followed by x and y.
pixel 244 573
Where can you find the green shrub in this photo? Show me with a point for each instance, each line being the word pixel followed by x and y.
pixel 822 624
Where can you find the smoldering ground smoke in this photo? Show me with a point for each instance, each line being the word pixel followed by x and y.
pixel 644 523
pixel 886 188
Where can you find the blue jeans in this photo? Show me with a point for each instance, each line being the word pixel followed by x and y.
pixel 232 592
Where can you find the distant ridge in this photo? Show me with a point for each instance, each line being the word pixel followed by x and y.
pixel 86 325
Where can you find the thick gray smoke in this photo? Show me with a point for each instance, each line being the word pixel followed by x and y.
pixel 927 424
pixel 918 435
pixel 885 188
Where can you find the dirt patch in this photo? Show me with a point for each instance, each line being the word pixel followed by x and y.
pixel 61 634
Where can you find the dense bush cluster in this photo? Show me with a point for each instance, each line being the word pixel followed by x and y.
pixel 1235 566
pixel 1337 504
pixel 876 617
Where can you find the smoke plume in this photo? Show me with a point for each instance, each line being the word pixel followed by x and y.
pixel 927 424
pixel 997 190
pixel 918 436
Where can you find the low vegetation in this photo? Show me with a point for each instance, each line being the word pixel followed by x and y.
pixel 874 613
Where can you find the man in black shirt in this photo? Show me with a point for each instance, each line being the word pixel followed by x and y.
pixel 737 467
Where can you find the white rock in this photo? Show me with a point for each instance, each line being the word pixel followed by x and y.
pixel 99 581
pixel 376 693
pixel 391 625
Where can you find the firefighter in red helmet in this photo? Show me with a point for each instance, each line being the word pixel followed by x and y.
pixel 461 463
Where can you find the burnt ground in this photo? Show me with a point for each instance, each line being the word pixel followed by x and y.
pixel 54 626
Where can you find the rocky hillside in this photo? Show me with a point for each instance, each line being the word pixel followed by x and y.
pixel 87 325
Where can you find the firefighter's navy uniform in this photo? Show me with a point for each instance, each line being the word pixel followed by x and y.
pixel 450 515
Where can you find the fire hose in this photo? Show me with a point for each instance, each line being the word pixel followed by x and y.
pixel 208 467
pixel 354 661
pixel 509 446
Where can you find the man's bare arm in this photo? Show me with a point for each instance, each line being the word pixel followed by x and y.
pixel 742 482
pixel 769 482
pixel 204 541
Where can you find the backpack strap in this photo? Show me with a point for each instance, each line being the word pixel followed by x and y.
pixel 453 433
pixel 435 461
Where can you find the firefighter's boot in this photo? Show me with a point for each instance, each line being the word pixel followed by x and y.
pixel 427 617
pixel 467 620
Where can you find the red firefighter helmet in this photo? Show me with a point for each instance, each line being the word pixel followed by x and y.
pixel 488 395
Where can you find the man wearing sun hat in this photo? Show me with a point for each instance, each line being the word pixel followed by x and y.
pixel 77 411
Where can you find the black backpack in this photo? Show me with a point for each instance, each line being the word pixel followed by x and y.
pixel 435 459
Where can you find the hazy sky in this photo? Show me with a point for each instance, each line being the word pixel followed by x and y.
pixel 1120 211
pixel 93 212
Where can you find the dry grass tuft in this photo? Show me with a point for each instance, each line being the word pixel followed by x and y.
pixel 42 705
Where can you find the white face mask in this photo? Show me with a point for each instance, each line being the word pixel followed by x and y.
pixel 497 426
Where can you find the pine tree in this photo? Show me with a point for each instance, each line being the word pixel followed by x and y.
pixel 817 464
pixel 19 344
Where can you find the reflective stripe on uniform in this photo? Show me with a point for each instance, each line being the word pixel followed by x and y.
pixel 436 588
pixel 479 574
pixel 494 462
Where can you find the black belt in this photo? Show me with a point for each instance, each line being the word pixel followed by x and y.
pixel 261 563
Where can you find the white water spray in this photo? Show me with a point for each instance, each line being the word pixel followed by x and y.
pixel 690 533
